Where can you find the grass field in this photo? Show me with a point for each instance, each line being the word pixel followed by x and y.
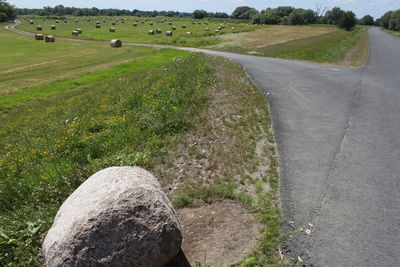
pixel 77 114
pixel 128 33
pixel 37 70
pixel 318 43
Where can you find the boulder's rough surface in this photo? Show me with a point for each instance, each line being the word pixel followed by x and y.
pixel 117 217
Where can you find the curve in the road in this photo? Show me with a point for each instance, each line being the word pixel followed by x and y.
pixel 338 137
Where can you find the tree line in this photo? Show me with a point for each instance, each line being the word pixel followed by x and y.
pixel 391 20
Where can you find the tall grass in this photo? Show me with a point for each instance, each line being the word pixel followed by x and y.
pixel 124 120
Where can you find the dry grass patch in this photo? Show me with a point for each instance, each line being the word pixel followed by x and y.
pixel 270 35
pixel 358 55
pixel 231 140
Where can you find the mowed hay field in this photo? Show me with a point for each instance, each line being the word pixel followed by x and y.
pixel 125 30
pixel 69 109
pixel 317 43
pixel 33 70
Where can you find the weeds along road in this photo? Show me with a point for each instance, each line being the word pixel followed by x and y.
pixel 338 135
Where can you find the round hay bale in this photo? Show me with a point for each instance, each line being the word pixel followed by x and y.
pixel 189 33
pixel 151 32
pixel 233 28
pixel 112 29
pixel 38 36
pixel 65 21
pixel 116 43
pixel 113 23
pixel 76 21
pixel 57 21
pixel 216 30
pixel 151 23
pixel 168 33
pixel 39 28
pixel 207 29
pixel 134 24
pixel 183 26
pixel 170 23
pixel 98 26
pixel 158 31
pixel 53 27
pixel 49 39
pixel 31 22
pixel 206 22
pixel 79 30
pixel 75 33
pixel 173 28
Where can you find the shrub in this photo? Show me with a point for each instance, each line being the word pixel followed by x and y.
pixel 367 20
pixel 7 11
pixel 347 21
pixel 199 14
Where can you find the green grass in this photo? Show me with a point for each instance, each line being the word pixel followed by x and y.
pixel 326 48
pixel 128 33
pixel 146 61
pixel 128 119
pixel 27 63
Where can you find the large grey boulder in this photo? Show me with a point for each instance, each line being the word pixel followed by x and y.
pixel 117 217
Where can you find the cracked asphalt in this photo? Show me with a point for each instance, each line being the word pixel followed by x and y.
pixel 338 136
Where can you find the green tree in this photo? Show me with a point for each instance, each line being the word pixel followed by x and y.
pixel 367 20
pixel 7 11
pixel 347 21
pixel 239 11
pixel 199 14
pixel 333 16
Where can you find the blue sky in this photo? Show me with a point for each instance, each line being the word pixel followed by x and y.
pixel 375 8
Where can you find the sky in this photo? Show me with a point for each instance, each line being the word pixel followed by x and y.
pixel 376 8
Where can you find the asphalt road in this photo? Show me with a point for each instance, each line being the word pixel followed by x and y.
pixel 338 136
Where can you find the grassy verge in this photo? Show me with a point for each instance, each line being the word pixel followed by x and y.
pixel 358 55
pixel 229 154
pixel 391 32
pixel 327 48
pixel 128 119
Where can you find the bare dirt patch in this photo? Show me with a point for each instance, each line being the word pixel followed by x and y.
pixel 220 234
